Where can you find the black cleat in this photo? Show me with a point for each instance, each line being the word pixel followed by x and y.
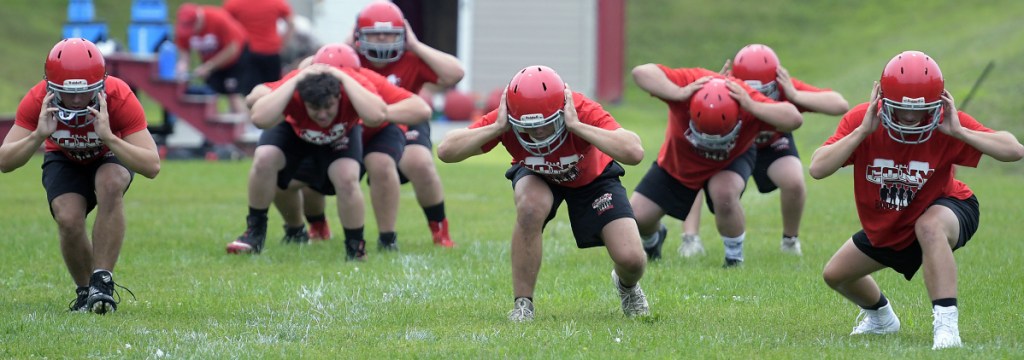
pixel 251 241
pixel 732 263
pixel 654 252
pixel 81 299
pixel 102 293
pixel 355 249
pixel 295 236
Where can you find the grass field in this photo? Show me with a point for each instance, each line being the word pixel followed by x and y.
pixel 193 301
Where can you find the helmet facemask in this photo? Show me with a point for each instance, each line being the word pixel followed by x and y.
pixel 770 89
pixel 712 142
pixel 379 51
pixel 911 134
pixel 539 147
pixel 75 118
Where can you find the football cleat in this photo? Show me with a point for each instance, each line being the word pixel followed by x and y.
pixel 251 241
pixel 522 311
pixel 791 245
pixel 439 231
pixel 387 245
pixel 634 302
pixel 946 327
pixel 81 299
pixel 730 263
pixel 319 231
pixel 653 244
pixel 881 321
pixel 102 293
pixel 295 236
pixel 691 246
pixel 355 249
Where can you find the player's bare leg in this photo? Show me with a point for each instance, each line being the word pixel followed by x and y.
pixel 108 232
pixel 533 200
pixel 344 175
pixel 849 274
pixel 622 240
pixel 724 189
pixel 938 231
pixel 69 214
pixel 417 164
pixel 384 196
pixel 691 244
pixel 788 174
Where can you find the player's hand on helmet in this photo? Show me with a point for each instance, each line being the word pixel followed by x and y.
pixel 871 119
pixel 502 117
pixel 785 82
pixel 47 120
pixel 738 93
pixel 687 91
pixel 950 123
pixel 726 68
pixel 102 124
pixel 411 41
pixel 569 114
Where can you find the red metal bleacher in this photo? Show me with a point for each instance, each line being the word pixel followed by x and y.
pixel 199 111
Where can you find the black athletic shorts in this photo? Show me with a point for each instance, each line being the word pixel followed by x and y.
pixel 781 147
pixel 591 207
pixel 62 175
pixel 674 198
pixel 418 134
pixel 908 260
pixel 296 151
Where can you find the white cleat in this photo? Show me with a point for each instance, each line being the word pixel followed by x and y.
pixel 691 246
pixel 791 245
pixel 881 321
pixel 522 311
pixel 947 330
pixel 634 302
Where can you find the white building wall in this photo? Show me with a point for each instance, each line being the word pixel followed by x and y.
pixel 503 36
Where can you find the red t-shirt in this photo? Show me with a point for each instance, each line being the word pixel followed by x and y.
pixel 308 130
pixel 82 144
pixel 259 18
pixel 684 162
pixel 895 183
pixel 768 137
pixel 219 30
pixel 409 72
pixel 388 92
pixel 576 162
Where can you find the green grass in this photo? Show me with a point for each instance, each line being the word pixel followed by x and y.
pixel 196 302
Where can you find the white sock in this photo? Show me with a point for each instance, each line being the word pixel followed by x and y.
pixel 734 246
pixel 650 240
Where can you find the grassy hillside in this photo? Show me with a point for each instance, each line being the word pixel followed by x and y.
pixel 193 301
pixel 30 28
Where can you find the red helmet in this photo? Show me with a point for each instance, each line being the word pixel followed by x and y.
pixel 338 55
pixel 380 17
pixel 714 118
pixel 74 66
pixel 534 99
pixel 756 65
pixel 911 81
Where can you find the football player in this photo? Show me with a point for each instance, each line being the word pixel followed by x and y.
pixel 777 165
pixel 96 139
pixel 912 209
pixel 713 121
pixel 313 114
pixel 388 46
pixel 382 147
pixel 223 47
pixel 564 147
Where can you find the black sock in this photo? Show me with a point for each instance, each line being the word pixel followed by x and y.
pixel 388 237
pixel 354 234
pixel 315 218
pixel 435 212
pixel 945 302
pixel 882 301
pixel 258 212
